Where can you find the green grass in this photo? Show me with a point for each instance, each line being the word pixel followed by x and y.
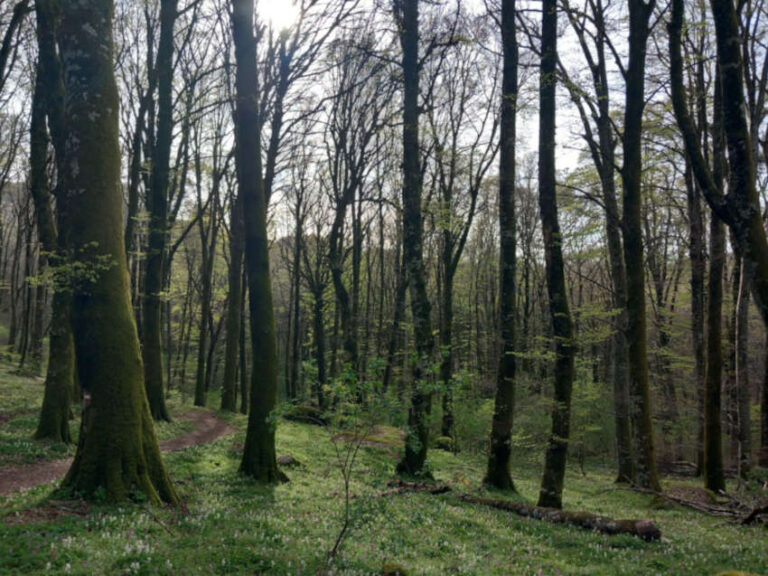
pixel 233 526
pixel 20 401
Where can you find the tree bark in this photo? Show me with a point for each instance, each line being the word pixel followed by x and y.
pixel 551 494
pixel 234 306
pixel 259 459
pixel 417 440
pixel 157 204
pixel 646 474
pixel 60 376
pixel 118 450
pixel 644 529
pixel 498 473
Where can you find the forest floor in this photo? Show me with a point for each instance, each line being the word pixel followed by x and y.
pixel 229 525
pixel 22 476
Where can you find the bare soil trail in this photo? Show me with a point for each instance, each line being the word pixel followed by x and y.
pixel 208 427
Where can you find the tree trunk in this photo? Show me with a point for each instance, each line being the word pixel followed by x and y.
pixel 498 473
pixel 118 450
pixel 446 352
pixel 157 204
pixel 763 454
pixel 551 494
pixel 259 459
pixel 318 329
pixel 234 306
pixel 417 441
pixel 698 269
pixel 744 427
pixel 646 474
pixel 243 371
pixel 60 377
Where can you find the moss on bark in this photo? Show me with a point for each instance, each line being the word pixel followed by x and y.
pixel 118 451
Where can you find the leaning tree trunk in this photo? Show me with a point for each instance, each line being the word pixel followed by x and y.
pixel 646 474
pixel 498 473
pixel 551 494
pixel 259 458
pixel 118 450
pixel 157 200
pixel 417 442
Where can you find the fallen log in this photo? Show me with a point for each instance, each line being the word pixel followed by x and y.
pixel 644 529
pixel 399 486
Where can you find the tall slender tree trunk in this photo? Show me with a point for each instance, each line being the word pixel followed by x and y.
pixel 698 269
pixel 743 454
pixel 117 450
pixel 234 306
pixel 157 200
pixel 446 351
pixel 646 474
pixel 499 458
pixel 763 454
pixel 259 458
pixel 551 494
pixel 318 329
pixel 243 369
pixel 60 375
pixel 417 440
pixel 395 336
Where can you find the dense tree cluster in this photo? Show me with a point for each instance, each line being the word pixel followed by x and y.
pixel 195 202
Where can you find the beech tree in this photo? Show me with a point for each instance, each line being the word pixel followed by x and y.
pixel 259 458
pixel 499 458
pixel 117 450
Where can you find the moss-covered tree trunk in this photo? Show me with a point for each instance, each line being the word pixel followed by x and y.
pixel 417 441
pixel 259 458
pixel 499 458
pixel 157 203
pixel 60 376
pixel 646 474
pixel 118 450
pixel 551 494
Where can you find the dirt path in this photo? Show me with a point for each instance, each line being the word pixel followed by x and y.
pixel 207 429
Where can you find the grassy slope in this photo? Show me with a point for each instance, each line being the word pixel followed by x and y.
pixel 233 526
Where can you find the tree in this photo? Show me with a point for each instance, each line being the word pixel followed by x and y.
pixel 498 473
pixel 562 326
pixel 463 126
pixel 602 150
pixel 710 182
pixel 118 450
pixel 46 103
pixel 412 463
pixel 646 474
pixel 158 210
pixel 259 458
